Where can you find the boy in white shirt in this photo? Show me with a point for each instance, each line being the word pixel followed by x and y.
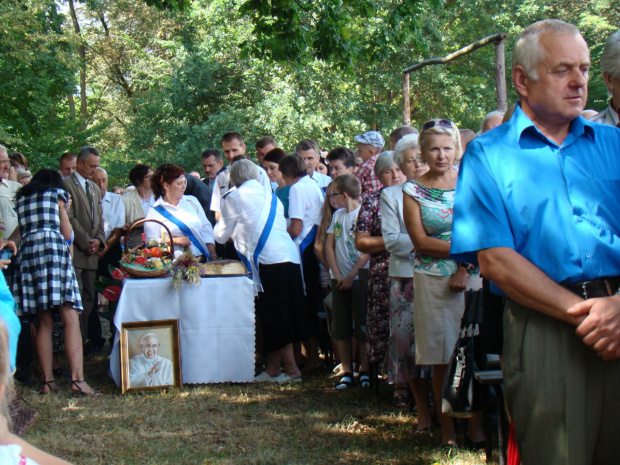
pixel 348 290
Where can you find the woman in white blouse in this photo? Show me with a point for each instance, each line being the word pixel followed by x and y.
pixel 182 214
pixel 138 201
pixel 254 219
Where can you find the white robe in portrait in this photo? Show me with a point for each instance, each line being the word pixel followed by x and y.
pixel 139 367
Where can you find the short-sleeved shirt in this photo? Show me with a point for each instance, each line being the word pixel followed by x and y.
pixel 321 179
pixel 368 179
pixel 555 205
pixel 8 216
pixel 113 212
pixel 343 228
pixel 305 202
pixel 222 185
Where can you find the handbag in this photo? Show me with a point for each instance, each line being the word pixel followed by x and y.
pixel 459 396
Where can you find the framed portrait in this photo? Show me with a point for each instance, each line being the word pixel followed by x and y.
pixel 150 355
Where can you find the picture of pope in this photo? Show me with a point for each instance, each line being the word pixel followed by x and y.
pixel 149 369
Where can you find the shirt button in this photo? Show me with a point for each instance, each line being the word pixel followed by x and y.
pixel 588 255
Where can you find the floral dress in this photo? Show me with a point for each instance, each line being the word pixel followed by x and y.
pixel 378 316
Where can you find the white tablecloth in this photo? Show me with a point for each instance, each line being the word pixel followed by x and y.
pixel 216 325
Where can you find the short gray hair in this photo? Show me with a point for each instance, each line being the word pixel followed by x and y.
pixel 527 50
pixel 242 171
pixel 610 59
pixel 407 142
pixel 85 152
pixel 308 144
pixel 384 161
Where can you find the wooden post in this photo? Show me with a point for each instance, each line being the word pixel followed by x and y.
pixel 406 100
pixel 500 75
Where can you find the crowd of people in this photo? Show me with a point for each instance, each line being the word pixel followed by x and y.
pixel 383 241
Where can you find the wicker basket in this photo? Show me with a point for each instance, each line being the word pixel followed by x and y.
pixel 144 273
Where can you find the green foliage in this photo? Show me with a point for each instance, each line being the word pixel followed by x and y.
pixel 166 78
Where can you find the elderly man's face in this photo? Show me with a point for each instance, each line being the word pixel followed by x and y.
pixel 101 179
pixel 67 167
pixel 560 94
pixel 5 164
pixel 150 347
pixel 311 159
pixel 87 168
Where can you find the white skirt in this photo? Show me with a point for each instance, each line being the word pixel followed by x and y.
pixel 437 317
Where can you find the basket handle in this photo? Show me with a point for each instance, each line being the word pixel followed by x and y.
pixel 144 220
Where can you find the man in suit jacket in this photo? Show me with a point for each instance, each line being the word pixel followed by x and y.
pixel 86 220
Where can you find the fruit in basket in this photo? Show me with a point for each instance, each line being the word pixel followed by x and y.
pixel 140 261
pixel 152 243
pixel 156 252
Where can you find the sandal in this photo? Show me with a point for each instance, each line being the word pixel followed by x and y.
pixel 400 400
pixel 51 385
pixel 346 381
pixel 78 390
pixel 364 379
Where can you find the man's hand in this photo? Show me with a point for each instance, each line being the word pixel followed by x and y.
pixel 155 369
pixel 458 282
pixel 600 328
pixel 93 247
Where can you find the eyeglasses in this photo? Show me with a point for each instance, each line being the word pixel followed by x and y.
pixel 5 162
pixel 335 193
pixel 442 123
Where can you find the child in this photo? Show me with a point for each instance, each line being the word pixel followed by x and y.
pixel 348 291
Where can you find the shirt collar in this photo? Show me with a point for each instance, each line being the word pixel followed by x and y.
pixel 521 123
pixel 81 179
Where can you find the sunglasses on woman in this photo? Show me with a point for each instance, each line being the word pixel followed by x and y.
pixel 442 123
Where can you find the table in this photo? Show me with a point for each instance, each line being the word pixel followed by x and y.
pixel 216 325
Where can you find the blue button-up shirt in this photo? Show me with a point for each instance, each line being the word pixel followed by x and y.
pixel 558 206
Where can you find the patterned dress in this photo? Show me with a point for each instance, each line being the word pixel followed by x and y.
pixel 378 317
pixel 44 274
pixel 438 311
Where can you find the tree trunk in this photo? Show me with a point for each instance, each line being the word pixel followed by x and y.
pixel 82 53
pixel 71 106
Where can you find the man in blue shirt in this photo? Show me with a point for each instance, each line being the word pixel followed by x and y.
pixel 537 207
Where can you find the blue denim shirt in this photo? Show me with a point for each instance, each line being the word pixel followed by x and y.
pixel 558 206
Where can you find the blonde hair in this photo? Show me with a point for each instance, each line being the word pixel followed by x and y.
pixel 453 131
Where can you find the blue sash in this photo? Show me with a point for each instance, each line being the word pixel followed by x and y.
pixel 309 239
pixel 262 240
pixel 184 229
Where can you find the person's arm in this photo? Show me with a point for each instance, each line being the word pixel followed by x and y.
pixel 396 242
pixel 413 222
pixel 347 281
pixel 526 284
pixel 37 455
pixel 366 243
pixel 295 228
pixel 65 224
pixel 227 222
pixel 114 238
pixel 330 255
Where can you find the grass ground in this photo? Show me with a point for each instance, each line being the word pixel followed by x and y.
pixel 307 423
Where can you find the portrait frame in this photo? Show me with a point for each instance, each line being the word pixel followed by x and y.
pixel 169 349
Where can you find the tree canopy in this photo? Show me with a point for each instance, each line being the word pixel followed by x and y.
pixel 161 80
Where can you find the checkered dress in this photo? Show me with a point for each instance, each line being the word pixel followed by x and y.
pixel 44 275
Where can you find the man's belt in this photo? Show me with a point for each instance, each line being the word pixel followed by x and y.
pixel 603 287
